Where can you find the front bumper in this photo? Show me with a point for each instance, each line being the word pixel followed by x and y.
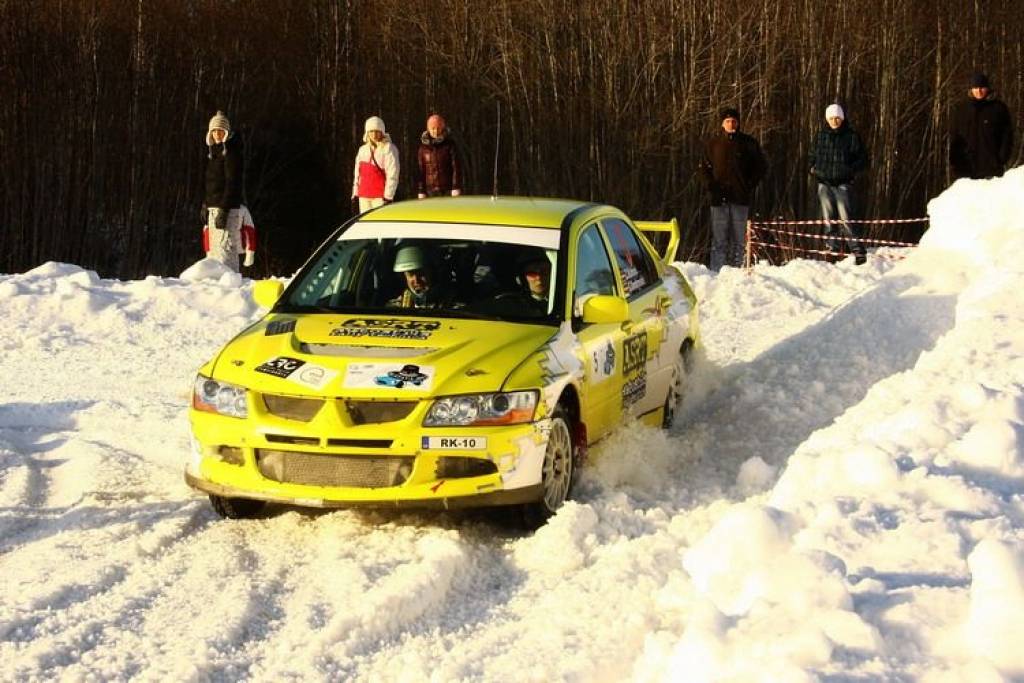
pixel 257 456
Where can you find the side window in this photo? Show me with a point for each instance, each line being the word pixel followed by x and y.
pixel 594 273
pixel 635 264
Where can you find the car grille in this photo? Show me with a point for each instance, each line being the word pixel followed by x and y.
pixel 318 469
pixel 375 412
pixel 360 412
pixel 293 408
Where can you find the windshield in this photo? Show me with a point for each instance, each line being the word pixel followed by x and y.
pixel 378 268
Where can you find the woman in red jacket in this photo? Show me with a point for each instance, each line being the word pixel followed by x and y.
pixel 375 177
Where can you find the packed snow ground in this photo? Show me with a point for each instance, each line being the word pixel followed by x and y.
pixel 842 500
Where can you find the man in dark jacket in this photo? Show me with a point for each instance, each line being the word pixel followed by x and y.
pixel 439 170
pixel 731 168
pixel 836 157
pixel 223 192
pixel 981 133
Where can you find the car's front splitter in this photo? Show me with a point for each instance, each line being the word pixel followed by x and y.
pixel 528 494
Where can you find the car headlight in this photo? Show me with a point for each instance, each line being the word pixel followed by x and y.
pixel 514 407
pixel 213 396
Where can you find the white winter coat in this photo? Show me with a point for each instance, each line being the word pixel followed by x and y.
pixel 386 156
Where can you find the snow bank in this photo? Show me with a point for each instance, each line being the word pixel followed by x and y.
pixel 977 222
pixel 868 490
pixel 211 269
pixel 995 627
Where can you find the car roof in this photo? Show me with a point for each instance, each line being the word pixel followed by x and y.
pixel 534 212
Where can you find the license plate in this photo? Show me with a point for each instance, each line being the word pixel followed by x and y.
pixel 454 443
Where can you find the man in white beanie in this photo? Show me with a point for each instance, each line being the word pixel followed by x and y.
pixel 223 192
pixel 837 155
pixel 375 178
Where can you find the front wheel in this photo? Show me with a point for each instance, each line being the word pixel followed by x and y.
pixel 681 367
pixel 556 472
pixel 236 508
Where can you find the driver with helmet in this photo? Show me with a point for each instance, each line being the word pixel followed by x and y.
pixel 536 271
pixel 421 289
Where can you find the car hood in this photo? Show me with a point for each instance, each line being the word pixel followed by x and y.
pixel 378 356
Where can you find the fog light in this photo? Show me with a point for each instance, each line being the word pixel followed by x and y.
pixel 231 455
pixel 461 468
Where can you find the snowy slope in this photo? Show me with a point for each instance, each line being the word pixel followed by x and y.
pixel 843 498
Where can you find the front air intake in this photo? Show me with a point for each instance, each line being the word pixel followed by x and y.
pixel 292 408
pixel 376 412
pixel 319 469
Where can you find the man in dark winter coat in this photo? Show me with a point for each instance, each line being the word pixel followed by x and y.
pixel 981 133
pixel 439 171
pixel 223 192
pixel 837 156
pixel 731 168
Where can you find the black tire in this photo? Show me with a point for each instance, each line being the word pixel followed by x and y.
pixel 556 472
pixel 681 368
pixel 236 508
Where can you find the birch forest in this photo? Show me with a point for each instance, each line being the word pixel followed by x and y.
pixel 104 106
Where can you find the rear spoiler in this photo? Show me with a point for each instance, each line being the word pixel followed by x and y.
pixel 663 236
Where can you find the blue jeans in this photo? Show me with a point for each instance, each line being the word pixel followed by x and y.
pixel 728 232
pixel 836 199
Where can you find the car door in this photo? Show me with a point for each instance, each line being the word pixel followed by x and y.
pixel 601 342
pixel 644 379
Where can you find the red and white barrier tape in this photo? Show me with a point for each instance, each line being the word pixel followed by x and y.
pixel 820 221
pixel 867 240
pixel 824 252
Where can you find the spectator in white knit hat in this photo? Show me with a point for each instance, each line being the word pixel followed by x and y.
pixel 224 168
pixel 375 177
pixel 837 155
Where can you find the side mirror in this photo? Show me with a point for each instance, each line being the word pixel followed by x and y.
pixel 605 308
pixel 267 292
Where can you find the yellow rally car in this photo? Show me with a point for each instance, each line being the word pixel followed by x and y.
pixel 451 351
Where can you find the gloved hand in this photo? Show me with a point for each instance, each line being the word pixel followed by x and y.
pixel 204 213
pixel 456 193
pixel 250 258
pixel 421 196
pixel 220 221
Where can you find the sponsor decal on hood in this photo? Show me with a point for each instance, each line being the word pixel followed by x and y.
pixel 386 328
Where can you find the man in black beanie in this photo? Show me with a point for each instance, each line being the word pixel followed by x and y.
pixel 981 133
pixel 731 167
